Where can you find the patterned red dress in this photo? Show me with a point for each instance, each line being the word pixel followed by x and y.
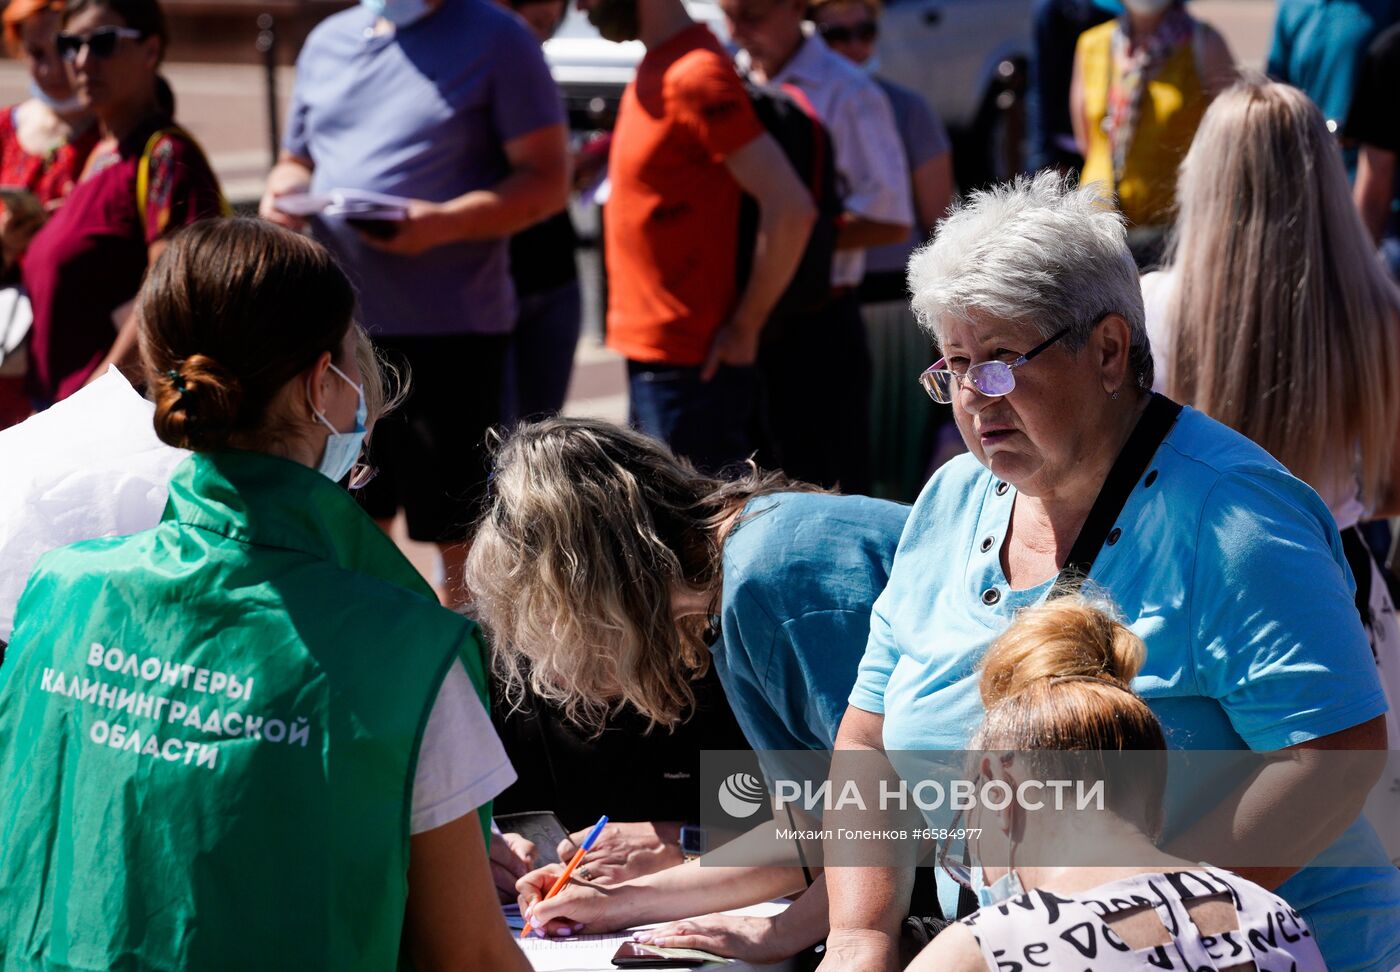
pixel 90 257
pixel 48 176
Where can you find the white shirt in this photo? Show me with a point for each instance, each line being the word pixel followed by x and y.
pixel 461 763
pixel 91 466
pixel 870 161
pixel 1044 930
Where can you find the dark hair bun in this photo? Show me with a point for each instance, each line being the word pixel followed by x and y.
pixel 197 404
pixel 230 312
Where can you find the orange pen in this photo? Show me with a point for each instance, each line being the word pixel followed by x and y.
pixel 588 843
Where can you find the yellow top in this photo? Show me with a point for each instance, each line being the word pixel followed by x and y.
pixel 1171 110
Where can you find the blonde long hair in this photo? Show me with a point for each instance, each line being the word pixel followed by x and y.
pixel 1285 325
pixel 589 531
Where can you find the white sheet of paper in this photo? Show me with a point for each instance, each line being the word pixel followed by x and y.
pixel 586 953
pixel 90 466
pixel 344 202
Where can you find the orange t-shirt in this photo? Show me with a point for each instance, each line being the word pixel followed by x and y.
pixel 672 218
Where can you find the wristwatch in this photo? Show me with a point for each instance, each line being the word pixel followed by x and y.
pixel 694 841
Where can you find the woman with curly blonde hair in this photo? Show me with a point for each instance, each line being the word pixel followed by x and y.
pixel 601 567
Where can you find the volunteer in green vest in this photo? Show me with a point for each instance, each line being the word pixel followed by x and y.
pixel 249 737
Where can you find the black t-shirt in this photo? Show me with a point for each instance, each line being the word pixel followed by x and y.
pixel 542 256
pixel 627 773
pixel 1374 118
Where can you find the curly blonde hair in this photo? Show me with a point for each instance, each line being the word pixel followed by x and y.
pixel 589 531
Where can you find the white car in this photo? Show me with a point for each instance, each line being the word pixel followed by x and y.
pixel 967 57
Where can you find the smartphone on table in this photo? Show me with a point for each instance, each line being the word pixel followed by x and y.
pixel 635 955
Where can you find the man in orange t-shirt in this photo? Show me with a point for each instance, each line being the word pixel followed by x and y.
pixel 686 145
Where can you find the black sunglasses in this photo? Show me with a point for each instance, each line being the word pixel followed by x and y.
pixel 101 43
pixel 865 32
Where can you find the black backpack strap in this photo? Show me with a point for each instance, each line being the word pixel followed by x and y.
pixel 1147 436
pixel 1358 556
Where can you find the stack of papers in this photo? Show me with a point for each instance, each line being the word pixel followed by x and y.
pixel 351 203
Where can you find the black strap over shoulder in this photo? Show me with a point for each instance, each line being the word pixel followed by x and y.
pixel 1359 560
pixel 1147 436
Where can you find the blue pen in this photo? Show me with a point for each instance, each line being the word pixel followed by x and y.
pixel 588 843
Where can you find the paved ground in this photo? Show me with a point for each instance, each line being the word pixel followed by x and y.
pixel 225 107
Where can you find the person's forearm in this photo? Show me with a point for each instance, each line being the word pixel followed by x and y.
pixel 783 231
pixel 869 898
pixel 860 233
pixel 289 171
pixel 1247 834
pixel 933 192
pixel 807 920
pixel 124 349
pixel 521 199
pixel 1375 171
pixel 692 889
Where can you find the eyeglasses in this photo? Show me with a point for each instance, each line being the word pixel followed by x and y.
pixel 361 473
pixel 865 32
pixel 101 43
pixel 959 871
pixel 991 378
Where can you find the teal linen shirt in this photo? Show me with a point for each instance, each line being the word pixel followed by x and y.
pixel 801 572
pixel 1232 572
pixel 1318 46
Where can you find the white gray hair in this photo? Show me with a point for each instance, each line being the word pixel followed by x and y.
pixel 1038 251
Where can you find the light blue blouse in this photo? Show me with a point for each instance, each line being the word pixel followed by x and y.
pixel 1229 568
pixel 801 572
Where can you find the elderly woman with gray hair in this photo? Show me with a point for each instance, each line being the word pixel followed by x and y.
pixel 1229 568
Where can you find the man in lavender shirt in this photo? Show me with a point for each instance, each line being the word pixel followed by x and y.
pixel 448 103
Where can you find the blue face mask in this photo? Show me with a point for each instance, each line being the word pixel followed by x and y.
pixel 343 448
pixel 400 13
pixel 1002 889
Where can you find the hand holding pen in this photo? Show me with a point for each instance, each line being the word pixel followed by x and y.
pixel 563 879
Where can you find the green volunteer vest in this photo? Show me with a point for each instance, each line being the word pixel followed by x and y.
pixel 208 734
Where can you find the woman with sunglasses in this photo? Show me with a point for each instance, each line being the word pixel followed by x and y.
pixel 145 179
pixel 44 141
pixel 1228 568
pixel 248 737
pixel 1059 681
pixel 851 29
pixel 903 429
pixel 610 573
